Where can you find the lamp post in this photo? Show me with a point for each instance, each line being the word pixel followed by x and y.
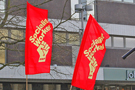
pixel 128 53
pixel 79 8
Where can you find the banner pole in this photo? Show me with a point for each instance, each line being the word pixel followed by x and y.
pixel 26 82
pixel 71 87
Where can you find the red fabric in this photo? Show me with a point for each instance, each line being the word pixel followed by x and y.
pixel 90 55
pixel 38 43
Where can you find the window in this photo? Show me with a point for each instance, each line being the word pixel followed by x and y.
pixel 68 38
pixel 59 38
pixel 3 35
pixel 73 38
pixel 131 1
pixel 2 54
pixel 130 42
pixel 116 0
pixel 98 87
pixel 108 42
pixel 112 87
pixel 118 42
pixel 17 34
pixel 2 6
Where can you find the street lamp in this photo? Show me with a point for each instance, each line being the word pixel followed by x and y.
pixel 128 53
pixel 79 8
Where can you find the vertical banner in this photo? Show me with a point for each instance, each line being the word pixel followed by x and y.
pixel 91 53
pixel 38 42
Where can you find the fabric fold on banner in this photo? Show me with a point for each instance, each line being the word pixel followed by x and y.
pixel 38 42
pixel 90 56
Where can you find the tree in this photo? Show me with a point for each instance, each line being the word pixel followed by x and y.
pixel 13 26
pixel 12 34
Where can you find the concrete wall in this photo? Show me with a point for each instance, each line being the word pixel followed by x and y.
pixel 115 12
pixel 55 7
pixel 57 75
pixel 61 55
pixel 113 58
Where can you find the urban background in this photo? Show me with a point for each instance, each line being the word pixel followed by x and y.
pixel 115 16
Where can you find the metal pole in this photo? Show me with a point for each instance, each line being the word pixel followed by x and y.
pixel 26 82
pixel 82 21
pixel 82 28
pixel 128 53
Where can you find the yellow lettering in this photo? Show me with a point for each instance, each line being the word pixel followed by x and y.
pixel 86 52
pixel 43 22
pixel 37 39
pixel 37 31
pixel 41 26
pixel 37 42
pixel 97 47
pixel 48 28
pixel 46 21
pixel 42 34
pixel 32 39
pixel 35 35
pixel 90 49
pixel 41 38
pixel 93 42
pixel 38 27
pixel 90 54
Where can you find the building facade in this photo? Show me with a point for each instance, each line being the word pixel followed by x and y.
pixel 115 16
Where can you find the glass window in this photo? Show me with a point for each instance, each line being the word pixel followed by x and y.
pixel 59 38
pixel 18 86
pixel 130 42
pixel 1 86
pixel 17 34
pixel 3 34
pixel 51 86
pixel 36 86
pixel 73 38
pixel 106 88
pixel 112 88
pixel 118 42
pixel 116 0
pixel 108 42
pixel 2 5
pixel 9 86
pixel 97 88
pixel 2 54
pixel 15 52
pixel 128 88
pixel 128 1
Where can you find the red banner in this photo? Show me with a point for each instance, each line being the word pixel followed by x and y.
pixel 91 53
pixel 38 42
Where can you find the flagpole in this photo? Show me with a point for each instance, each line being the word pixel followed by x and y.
pixel 26 82
pixel 82 28
pixel 71 87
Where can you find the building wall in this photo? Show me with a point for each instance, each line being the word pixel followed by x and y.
pixel 113 58
pixel 55 7
pixel 61 54
pixel 115 12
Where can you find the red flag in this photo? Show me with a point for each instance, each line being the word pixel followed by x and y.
pixel 38 43
pixel 90 55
